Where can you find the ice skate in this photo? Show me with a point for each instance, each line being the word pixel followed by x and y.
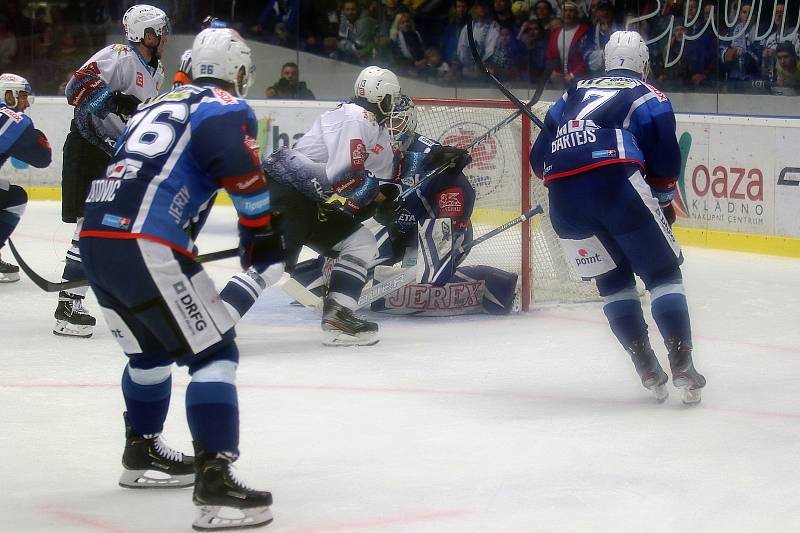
pixel 8 273
pixel 72 320
pixel 341 328
pixel 647 366
pixel 223 501
pixel 150 464
pixel 684 375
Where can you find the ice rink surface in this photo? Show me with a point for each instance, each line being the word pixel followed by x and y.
pixel 524 424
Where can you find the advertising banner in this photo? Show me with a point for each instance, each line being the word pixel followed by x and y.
pixel 737 174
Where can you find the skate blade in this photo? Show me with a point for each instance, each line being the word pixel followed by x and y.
pixel 660 392
pixel 65 329
pixel 340 338
pixel 9 278
pixel 218 518
pixel 153 479
pixel 690 396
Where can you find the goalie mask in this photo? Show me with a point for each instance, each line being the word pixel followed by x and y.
pixel 16 92
pixel 403 123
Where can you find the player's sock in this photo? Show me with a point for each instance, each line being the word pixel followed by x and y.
pixel 147 393
pixel 241 292
pixel 671 313
pixel 624 313
pixel 348 277
pixel 212 407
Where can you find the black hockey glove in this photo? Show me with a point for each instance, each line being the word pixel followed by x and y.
pixel 669 213
pixel 123 105
pixel 456 158
pixel 386 211
pixel 263 246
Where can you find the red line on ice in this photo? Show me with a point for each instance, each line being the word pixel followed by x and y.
pixel 83 520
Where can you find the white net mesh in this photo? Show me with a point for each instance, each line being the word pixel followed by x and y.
pixel 496 172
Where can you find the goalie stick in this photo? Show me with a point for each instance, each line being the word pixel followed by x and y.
pixel 51 286
pixel 491 131
pixel 406 275
pixel 508 94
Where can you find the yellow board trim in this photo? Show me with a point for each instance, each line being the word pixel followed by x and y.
pixel 43 193
pixel 724 240
pixel 739 242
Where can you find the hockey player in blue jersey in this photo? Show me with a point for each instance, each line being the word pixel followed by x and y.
pixel 610 158
pixel 137 242
pixel 18 139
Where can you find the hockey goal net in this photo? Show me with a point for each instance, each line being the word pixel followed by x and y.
pixel 505 188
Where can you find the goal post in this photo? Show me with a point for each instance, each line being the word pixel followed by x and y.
pixel 505 187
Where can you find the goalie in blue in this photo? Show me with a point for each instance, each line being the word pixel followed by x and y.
pixel 610 159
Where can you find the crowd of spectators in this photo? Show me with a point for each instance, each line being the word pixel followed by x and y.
pixel 696 45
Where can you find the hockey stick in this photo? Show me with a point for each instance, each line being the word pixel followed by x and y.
pixel 491 131
pixel 406 275
pixel 409 275
pixel 516 101
pixel 50 286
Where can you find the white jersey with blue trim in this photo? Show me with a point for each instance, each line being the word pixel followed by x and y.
pixel 348 139
pixel 123 69
pixel 613 119
pixel 174 155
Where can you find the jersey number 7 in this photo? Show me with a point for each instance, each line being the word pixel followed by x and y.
pixel 595 98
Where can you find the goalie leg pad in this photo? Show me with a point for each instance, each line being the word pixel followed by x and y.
pixel 435 260
pixel 499 287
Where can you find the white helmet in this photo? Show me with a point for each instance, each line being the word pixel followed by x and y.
pixel 221 53
pixel 403 123
pixel 378 86
pixel 15 84
pixel 140 18
pixel 626 50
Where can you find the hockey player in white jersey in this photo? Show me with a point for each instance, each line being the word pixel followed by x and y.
pixel 344 153
pixel 105 92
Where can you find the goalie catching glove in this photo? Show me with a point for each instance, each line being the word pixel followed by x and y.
pixel 262 246
pixel 455 158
